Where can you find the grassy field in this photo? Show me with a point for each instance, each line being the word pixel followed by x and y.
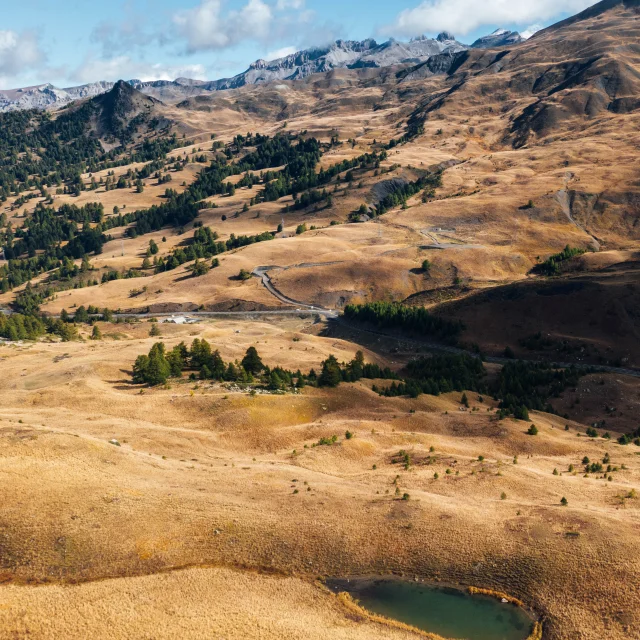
pixel 206 477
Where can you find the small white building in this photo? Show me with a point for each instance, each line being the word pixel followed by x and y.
pixel 181 320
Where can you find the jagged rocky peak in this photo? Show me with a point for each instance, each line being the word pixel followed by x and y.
pixel 119 108
pixel 499 38
pixel 122 101
pixel 259 64
pixel 446 36
pixel 354 45
pixel 123 92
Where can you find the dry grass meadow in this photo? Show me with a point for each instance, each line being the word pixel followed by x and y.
pixel 191 525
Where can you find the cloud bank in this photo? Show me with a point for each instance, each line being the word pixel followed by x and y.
pixel 210 27
pixel 19 53
pixel 464 16
pixel 123 67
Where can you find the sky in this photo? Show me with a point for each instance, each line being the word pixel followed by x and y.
pixel 71 42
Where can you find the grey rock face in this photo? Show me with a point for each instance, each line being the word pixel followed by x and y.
pixel 499 38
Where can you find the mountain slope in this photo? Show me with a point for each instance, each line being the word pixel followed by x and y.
pixel 592 12
pixel 576 70
pixel 123 110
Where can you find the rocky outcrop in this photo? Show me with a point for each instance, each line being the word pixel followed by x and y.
pixel 499 38
pixel 342 54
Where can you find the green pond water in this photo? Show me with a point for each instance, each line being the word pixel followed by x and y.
pixel 448 612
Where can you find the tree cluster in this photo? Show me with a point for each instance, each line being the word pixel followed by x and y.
pixel 205 363
pixel 205 244
pixel 439 374
pixel 392 315
pixel 553 264
pixel 333 373
pixel 30 327
pixel 523 386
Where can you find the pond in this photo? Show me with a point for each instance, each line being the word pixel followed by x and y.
pixel 451 613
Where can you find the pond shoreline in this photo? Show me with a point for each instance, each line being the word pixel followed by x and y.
pixel 349 590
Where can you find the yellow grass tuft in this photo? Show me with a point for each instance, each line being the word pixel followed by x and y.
pixel 496 594
pixel 354 607
pixel 536 632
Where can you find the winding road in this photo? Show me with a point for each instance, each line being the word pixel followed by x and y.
pixel 263 274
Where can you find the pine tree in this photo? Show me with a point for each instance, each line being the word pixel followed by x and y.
pixel 331 375
pixel 81 314
pixel 140 368
pixel 158 368
pixel 252 362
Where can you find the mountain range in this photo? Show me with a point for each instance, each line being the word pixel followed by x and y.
pixel 341 54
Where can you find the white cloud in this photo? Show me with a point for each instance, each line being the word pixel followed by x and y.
pixel 210 26
pixel 530 30
pixel 19 52
pixel 206 27
pixel 463 16
pixel 253 20
pixel 281 53
pixel 124 68
pixel 289 4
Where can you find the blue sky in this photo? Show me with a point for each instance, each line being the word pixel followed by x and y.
pixel 68 42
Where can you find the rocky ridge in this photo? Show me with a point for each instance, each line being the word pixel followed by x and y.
pixel 297 66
